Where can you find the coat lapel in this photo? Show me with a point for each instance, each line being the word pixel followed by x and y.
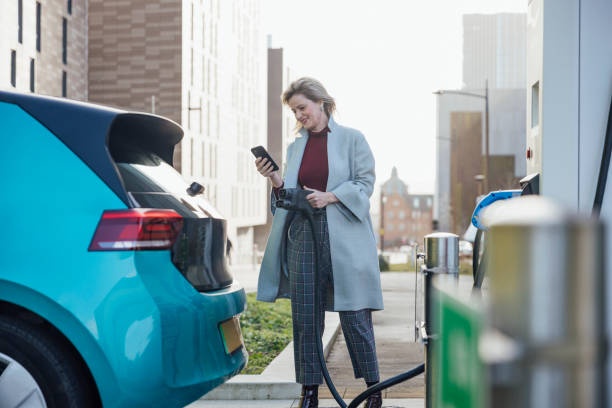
pixel 294 163
pixel 333 149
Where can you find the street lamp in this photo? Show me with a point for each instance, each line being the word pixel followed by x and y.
pixel 479 179
pixel 486 99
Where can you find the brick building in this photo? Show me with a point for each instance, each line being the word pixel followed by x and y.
pixel 405 218
pixel 201 63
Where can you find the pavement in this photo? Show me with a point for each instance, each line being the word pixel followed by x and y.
pixel 395 346
pixel 396 350
pixel 294 403
pixel 247 275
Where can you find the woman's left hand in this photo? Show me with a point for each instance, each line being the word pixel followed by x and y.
pixel 320 199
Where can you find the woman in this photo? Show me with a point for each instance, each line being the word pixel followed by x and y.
pixel 335 162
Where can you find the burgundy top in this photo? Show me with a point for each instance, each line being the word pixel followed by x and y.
pixel 314 168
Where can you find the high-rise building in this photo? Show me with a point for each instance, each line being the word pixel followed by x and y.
pixel 43 47
pixel 281 125
pixel 201 63
pixel 493 55
pixel 494 49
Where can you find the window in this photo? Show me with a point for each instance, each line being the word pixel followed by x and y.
pixel 38 12
pixel 189 110
pixel 20 21
pixel 64 40
pixel 32 72
pixel 64 84
pixel 218 123
pixel 204 159
pixel 208 119
pixel 203 72
pixel 191 63
pixel 69 7
pixel 200 116
pixel 428 202
pixel 416 202
pixel 215 163
pixel 14 68
pixel 192 24
pixel 396 202
pixel 192 164
pixel 535 104
pixel 402 214
pixel 389 214
pixel 210 161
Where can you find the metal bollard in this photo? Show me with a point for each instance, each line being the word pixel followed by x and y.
pixel 442 253
pixel 441 258
pixel 547 345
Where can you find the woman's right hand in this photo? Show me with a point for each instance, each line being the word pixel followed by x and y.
pixel 264 167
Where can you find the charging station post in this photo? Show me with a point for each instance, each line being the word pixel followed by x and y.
pixel 546 341
pixel 442 260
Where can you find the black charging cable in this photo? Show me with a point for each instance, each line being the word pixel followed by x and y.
pixel 295 200
pixel 604 166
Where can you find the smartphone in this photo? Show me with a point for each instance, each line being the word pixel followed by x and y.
pixel 260 151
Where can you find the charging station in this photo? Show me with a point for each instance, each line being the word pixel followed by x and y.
pixel 569 91
pixel 538 336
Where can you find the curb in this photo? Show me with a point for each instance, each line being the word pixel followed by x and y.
pixel 277 381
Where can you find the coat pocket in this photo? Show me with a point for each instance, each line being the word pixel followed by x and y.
pixel 296 230
pixel 342 209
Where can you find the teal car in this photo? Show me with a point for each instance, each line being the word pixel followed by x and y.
pixel 114 286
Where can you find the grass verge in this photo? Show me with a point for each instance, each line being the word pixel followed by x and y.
pixel 267 329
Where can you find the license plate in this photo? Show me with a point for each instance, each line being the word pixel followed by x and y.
pixel 231 334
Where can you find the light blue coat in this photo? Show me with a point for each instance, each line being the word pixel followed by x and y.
pixel 352 241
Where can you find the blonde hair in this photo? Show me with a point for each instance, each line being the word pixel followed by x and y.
pixel 313 90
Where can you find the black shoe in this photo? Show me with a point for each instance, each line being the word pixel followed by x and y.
pixel 374 400
pixel 310 396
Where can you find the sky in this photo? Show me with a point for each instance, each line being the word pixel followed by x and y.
pixel 381 60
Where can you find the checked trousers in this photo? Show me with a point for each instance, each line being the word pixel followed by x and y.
pixel 356 325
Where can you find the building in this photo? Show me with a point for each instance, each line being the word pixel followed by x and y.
pixel 202 64
pixel 405 218
pixel 494 49
pixel 494 54
pixel 281 126
pixel 44 47
pixel 460 143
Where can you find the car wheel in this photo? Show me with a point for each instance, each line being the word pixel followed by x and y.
pixel 38 369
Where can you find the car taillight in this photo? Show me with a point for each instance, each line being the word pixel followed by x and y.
pixel 136 230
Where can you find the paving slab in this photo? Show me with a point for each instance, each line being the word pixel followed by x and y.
pixel 395 346
pixel 246 275
pixel 293 403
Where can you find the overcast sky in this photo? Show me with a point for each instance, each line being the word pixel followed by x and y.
pixel 381 60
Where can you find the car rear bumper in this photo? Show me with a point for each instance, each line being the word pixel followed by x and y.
pixel 166 347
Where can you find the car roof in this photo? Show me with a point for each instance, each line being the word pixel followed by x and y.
pixel 86 129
